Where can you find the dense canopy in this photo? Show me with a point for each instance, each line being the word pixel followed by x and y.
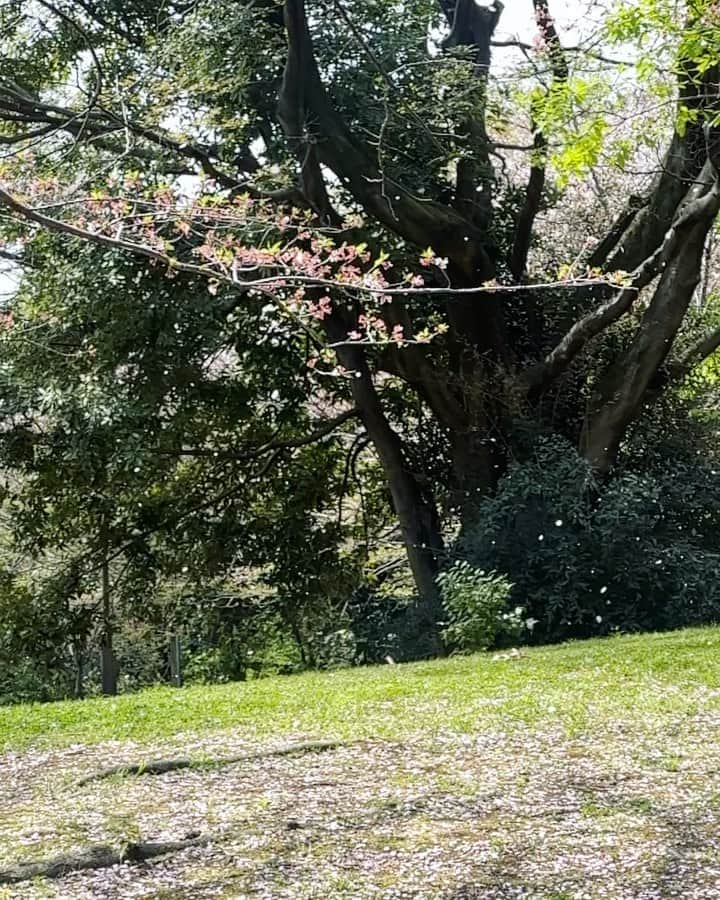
pixel 299 281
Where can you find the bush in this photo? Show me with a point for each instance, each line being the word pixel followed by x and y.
pixel 244 639
pixel 639 552
pixel 474 603
pixel 334 649
pixel 389 627
pixel 38 634
pixel 141 651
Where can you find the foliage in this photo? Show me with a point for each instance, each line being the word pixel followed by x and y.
pixel 137 437
pixel 635 553
pixel 226 637
pixel 42 636
pixel 476 607
pixel 288 280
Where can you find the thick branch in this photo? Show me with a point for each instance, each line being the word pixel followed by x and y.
pixel 163 766
pixel 528 211
pixel 619 227
pixel 448 8
pixel 625 249
pixel 96 857
pixel 697 210
pixel 411 363
pixel 291 444
pixel 621 389
pixel 472 27
pixel 696 354
pixel 292 113
pixel 99 126
pixel 421 221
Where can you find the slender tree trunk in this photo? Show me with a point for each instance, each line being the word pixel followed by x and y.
pixel 79 686
pixel 300 643
pixel 108 664
pixel 416 513
pixel 307 657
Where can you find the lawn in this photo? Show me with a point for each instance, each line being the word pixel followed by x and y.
pixel 585 770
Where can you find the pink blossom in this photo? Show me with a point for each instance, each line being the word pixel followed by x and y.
pixel 321 309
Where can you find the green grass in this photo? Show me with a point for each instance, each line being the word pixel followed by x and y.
pixel 578 686
pixel 591 763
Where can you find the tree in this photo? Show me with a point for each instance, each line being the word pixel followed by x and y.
pixel 153 442
pixel 383 195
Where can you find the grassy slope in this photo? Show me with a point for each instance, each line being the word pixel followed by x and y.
pixel 590 770
pixel 575 685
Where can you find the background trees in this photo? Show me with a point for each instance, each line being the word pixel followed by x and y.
pixel 267 249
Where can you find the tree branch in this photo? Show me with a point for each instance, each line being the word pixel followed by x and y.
pixel 540 375
pixel 536 182
pixel 292 113
pixel 625 383
pixel 421 221
pixel 648 220
pixel 31 215
pixel 585 51
pixel 291 444
pixel 695 355
pixel 100 123
pixel 473 27
pixel 162 766
pixel 99 856
pixel 605 247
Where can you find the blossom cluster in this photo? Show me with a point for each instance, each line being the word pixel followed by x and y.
pixel 241 243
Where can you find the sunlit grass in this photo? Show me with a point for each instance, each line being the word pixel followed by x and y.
pixel 578 686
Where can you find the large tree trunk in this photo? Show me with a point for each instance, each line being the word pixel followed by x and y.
pixel 459 396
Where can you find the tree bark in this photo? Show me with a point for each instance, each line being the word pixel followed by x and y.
pixel 640 228
pixel 79 681
pixel 416 512
pixel 620 391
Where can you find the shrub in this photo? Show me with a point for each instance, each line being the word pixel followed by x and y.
pixel 38 634
pixel 638 552
pixel 475 604
pixel 334 649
